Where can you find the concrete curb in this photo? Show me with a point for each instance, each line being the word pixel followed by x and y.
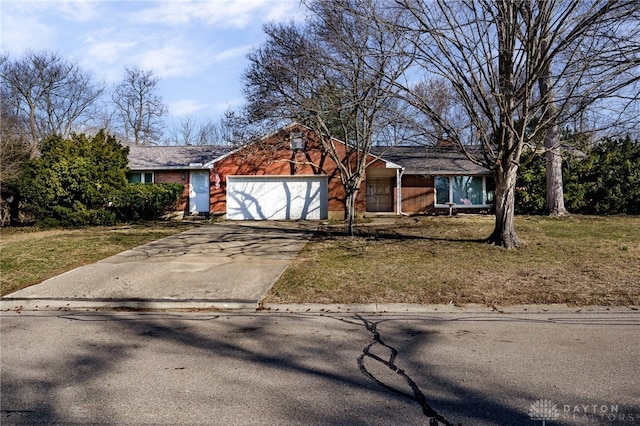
pixel 8 304
pixel 399 308
pixel 23 304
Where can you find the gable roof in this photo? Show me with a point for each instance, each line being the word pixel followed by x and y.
pixel 420 159
pixel 415 159
pixel 174 157
pixel 431 160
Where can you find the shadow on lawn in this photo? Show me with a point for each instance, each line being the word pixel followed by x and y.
pixel 374 234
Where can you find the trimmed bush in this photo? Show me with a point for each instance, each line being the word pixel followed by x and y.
pixel 140 201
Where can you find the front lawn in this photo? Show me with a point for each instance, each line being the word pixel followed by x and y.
pixel 31 255
pixel 580 260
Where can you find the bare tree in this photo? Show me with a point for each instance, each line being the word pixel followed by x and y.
pixel 190 131
pixel 183 131
pixel 139 110
pixel 49 92
pixel 334 75
pixel 209 133
pixel 497 56
pixel 589 55
pixel 14 153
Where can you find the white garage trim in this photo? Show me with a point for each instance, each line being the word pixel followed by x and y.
pixel 277 197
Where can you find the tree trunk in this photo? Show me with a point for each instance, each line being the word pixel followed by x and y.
pixel 555 192
pixel 350 210
pixel 553 151
pixel 14 210
pixel 504 233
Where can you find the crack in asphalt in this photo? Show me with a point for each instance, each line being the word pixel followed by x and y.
pixel 435 419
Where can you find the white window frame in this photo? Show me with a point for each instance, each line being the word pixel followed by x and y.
pixel 142 176
pixel 484 204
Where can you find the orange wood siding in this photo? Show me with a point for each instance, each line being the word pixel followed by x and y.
pixel 417 194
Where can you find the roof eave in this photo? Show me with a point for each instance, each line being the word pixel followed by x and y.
pixel 410 171
pixel 211 164
pixel 161 167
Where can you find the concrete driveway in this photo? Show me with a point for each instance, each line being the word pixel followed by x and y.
pixel 224 265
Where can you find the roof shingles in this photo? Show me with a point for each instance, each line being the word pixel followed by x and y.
pixel 417 160
pixel 431 160
pixel 173 157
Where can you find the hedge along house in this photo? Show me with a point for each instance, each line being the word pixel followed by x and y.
pixel 288 176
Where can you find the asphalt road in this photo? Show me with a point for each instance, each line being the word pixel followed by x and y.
pixel 75 367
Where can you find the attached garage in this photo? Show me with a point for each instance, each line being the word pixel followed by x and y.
pixel 277 197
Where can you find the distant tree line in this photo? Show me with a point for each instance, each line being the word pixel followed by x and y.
pixel 45 93
pixel 599 179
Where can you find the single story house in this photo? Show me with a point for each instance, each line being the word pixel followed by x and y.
pixel 287 175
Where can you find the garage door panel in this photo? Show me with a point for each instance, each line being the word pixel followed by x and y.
pixel 276 197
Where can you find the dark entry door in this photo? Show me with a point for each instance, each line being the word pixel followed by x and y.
pixel 379 196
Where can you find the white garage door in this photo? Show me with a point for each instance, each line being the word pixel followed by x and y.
pixel 276 197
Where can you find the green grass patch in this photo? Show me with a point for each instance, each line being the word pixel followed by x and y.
pixel 576 260
pixel 31 255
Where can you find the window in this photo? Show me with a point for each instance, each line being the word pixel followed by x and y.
pixel 464 191
pixel 297 140
pixel 138 177
pixel 442 190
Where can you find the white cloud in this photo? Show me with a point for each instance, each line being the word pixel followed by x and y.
pixel 106 51
pixel 110 51
pixel 226 13
pixel 166 54
pixel 69 10
pixel 233 53
pixel 185 107
pixel 76 11
pixel 170 60
pixel 20 31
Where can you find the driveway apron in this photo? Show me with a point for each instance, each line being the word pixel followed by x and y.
pixel 223 265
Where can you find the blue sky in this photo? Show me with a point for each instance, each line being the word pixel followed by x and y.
pixel 197 48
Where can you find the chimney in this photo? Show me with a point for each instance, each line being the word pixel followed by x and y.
pixel 445 142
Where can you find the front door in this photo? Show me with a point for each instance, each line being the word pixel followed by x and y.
pixel 379 196
pixel 199 191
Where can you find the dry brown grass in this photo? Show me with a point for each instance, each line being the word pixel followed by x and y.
pixel 578 261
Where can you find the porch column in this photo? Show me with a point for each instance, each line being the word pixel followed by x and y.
pixel 399 173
